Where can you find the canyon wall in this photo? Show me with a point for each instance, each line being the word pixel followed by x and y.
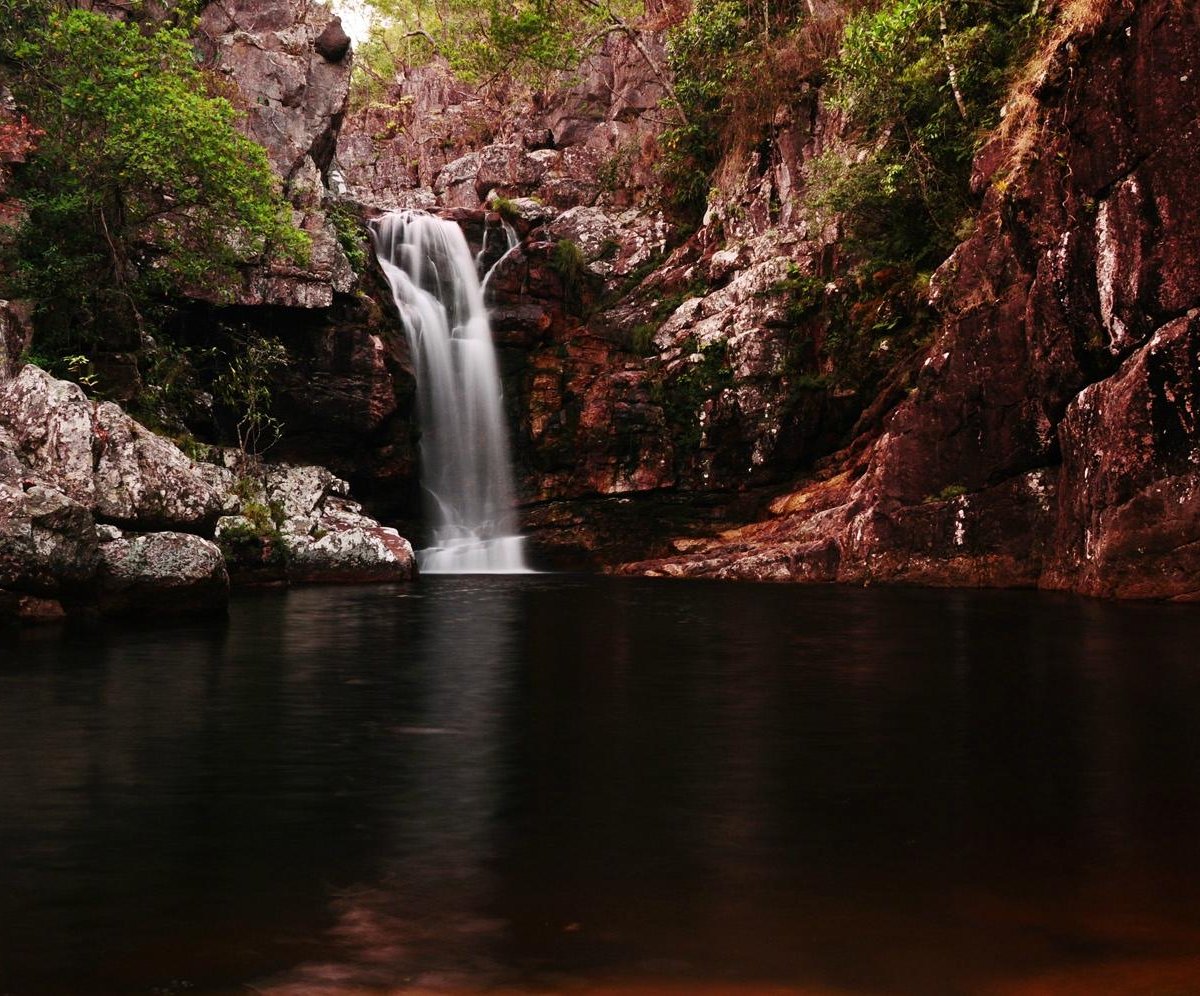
pixel 1049 437
pixel 1043 435
pixel 680 400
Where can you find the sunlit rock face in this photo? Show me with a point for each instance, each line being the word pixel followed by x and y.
pixel 1050 436
pixel 440 143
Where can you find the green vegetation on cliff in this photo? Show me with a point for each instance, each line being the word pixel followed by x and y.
pixel 922 81
pixel 140 185
pixel 532 41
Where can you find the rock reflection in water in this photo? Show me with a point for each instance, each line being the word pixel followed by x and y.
pixel 419 923
pixel 541 783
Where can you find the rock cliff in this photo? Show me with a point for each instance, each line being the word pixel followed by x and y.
pixel 1027 419
pixel 1049 436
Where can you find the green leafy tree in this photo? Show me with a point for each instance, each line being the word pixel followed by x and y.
pixel 922 79
pixel 705 52
pixel 141 184
pixel 532 40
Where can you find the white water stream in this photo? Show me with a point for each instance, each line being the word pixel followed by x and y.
pixel 466 471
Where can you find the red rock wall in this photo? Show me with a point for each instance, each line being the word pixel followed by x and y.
pixel 1051 437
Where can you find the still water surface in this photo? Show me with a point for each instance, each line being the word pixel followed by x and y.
pixel 549 783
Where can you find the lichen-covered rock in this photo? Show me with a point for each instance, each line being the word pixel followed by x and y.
pixel 281 54
pixel 101 458
pixel 346 546
pixel 142 478
pixel 614 243
pixel 305 528
pixel 51 424
pixel 325 272
pixel 300 492
pixel 162 574
pixel 569 147
pixel 48 543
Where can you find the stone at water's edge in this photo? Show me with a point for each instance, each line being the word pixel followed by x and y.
pixel 48 543
pixel 322 535
pixel 97 512
pixel 1129 522
pixel 162 573
pixel 1051 436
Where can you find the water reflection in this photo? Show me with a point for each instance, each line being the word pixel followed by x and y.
pixel 420 919
pixel 540 783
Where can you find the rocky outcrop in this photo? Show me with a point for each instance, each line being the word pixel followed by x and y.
pixel 101 458
pixel 434 142
pixel 1049 436
pixel 311 531
pixel 48 543
pixel 290 62
pixel 1026 419
pixel 1129 515
pixel 290 59
pixel 97 513
pixel 170 572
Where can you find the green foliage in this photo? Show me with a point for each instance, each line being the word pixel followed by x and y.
pixel 949 493
pixel 683 397
pixel 921 79
pixel 529 40
pixel 703 54
pixel 350 232
pixel 504 207
pixel 245 387
pixel 642 338
pixel 568 261
pixel 802 291
pixel 141 185
pixel 877 318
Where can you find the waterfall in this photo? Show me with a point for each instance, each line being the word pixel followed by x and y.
pixel 466 472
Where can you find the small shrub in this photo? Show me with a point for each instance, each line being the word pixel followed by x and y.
pixel 504 207
pixel 245 386
pixel 642 338
pixel 683 397
pixel 350 233
pixel 948 493
pixel 567 260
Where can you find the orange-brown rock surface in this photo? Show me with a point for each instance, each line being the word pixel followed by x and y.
pixel 1050 437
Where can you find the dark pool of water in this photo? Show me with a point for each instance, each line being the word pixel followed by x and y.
pixel 553 783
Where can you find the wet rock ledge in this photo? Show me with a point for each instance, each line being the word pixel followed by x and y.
pixel 100 515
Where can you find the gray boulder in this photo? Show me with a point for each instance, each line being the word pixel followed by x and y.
pixel 162 573
pixel 101 458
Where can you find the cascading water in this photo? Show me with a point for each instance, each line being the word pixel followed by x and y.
pixel 465 468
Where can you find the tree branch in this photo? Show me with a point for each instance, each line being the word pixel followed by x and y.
pixel 951 69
